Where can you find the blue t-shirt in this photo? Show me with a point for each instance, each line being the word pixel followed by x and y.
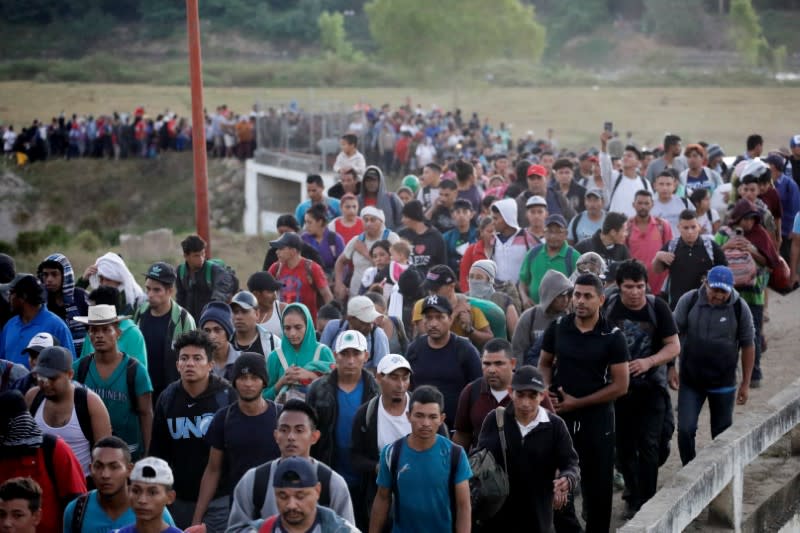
pixel 585 227
pixel 16 335
pixel 422 485
pixel 95 520
pixel 348 403
pixel 132 529
pixel 796 225
pixel 700 182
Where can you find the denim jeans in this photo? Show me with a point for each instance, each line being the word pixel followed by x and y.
pixel 690 402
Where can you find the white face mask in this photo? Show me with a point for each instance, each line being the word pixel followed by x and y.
pixel 480 288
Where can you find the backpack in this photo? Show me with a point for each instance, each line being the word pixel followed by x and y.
pixel 573 226
pixel 207 271
pixel 130 378
pixel 707 245
pixel 455 458
pixel 509 288
pixel 309 276
pixel 494 315
pixel 261 484
pixel 79 513
pixel 81 400
pixel 741 263
pixel 488 486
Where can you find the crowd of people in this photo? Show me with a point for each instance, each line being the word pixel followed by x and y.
pixel 518 313
pixel 128 135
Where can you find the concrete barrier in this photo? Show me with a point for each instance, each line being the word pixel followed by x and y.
pixel 714 478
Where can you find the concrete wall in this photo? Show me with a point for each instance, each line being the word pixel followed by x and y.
pixel 715 477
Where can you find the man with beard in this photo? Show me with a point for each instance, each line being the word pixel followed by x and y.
pixel 106 508
pixel 242 436
pixel 297 491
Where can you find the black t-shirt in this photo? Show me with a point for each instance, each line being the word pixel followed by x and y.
pixel 256 347
pixel 427 249
pixel 610 254
pixel 246 441
pixel 691 263
pixel 154 330
pixel 442 219
pixel 644 337
pixel 582 360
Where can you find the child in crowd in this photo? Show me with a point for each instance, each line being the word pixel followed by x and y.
pixel 707 217
pixel 348 225
pixel 666 204
pixel 150 492
pixel 378 273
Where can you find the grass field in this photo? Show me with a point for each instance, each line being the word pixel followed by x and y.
pixel 722 115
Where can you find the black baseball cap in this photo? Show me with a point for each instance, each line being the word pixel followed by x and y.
pixel 263 281
pixel 527 378
pixel 438 303
pixel 53 361
pixel 161 272
pixel 439 276
pixel 289 239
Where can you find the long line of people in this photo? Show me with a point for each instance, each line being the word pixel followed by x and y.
pixel 538 325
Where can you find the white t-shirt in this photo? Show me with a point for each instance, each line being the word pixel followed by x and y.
pixel 670 211
pixel 355 161
pixel 9 137
pixel 706 224
pixel 622 199
pixel 498 394
pixel 390 427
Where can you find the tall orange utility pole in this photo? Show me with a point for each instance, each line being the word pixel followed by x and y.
pixel 198 125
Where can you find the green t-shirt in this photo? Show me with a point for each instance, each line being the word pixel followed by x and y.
pixel 537 262
pixel 114 393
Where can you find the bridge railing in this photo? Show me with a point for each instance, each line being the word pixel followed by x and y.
pixel 715 478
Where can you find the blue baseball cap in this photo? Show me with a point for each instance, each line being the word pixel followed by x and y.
pixel 720 277
pixel 295 473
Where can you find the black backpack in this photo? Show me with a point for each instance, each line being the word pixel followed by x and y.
pixel 81 400
pixel 130 377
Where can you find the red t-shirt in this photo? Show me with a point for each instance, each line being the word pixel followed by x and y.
pixel 298 286
pixel 68 472
pixel 348 233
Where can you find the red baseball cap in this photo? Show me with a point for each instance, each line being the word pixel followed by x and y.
pixel 539 170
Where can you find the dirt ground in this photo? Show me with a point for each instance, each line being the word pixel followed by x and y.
pixel 780 367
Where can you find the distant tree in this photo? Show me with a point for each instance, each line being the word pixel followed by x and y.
pixel 333 37
pixel 566 20
pixel 680 22
pixel 748 36
pixel 439 39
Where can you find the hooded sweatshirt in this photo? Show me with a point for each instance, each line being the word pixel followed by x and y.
pixel 386 201
pixel 179 427
pixel 535 320
pixel 302 356
pixel 74 298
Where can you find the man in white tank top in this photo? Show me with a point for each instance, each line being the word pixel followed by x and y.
pixel 65 409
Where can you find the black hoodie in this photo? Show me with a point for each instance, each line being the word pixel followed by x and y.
pixel 179 427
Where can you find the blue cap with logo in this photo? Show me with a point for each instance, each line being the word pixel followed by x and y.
pixel 720 277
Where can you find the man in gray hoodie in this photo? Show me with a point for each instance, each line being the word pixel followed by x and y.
pixel 554 293
pixel 63 297
pixel 373 192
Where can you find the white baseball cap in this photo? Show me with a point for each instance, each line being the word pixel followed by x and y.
pixel 350 339
pixel 363 309
pixel 391 362
pixel 152 470
pixel 39 342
